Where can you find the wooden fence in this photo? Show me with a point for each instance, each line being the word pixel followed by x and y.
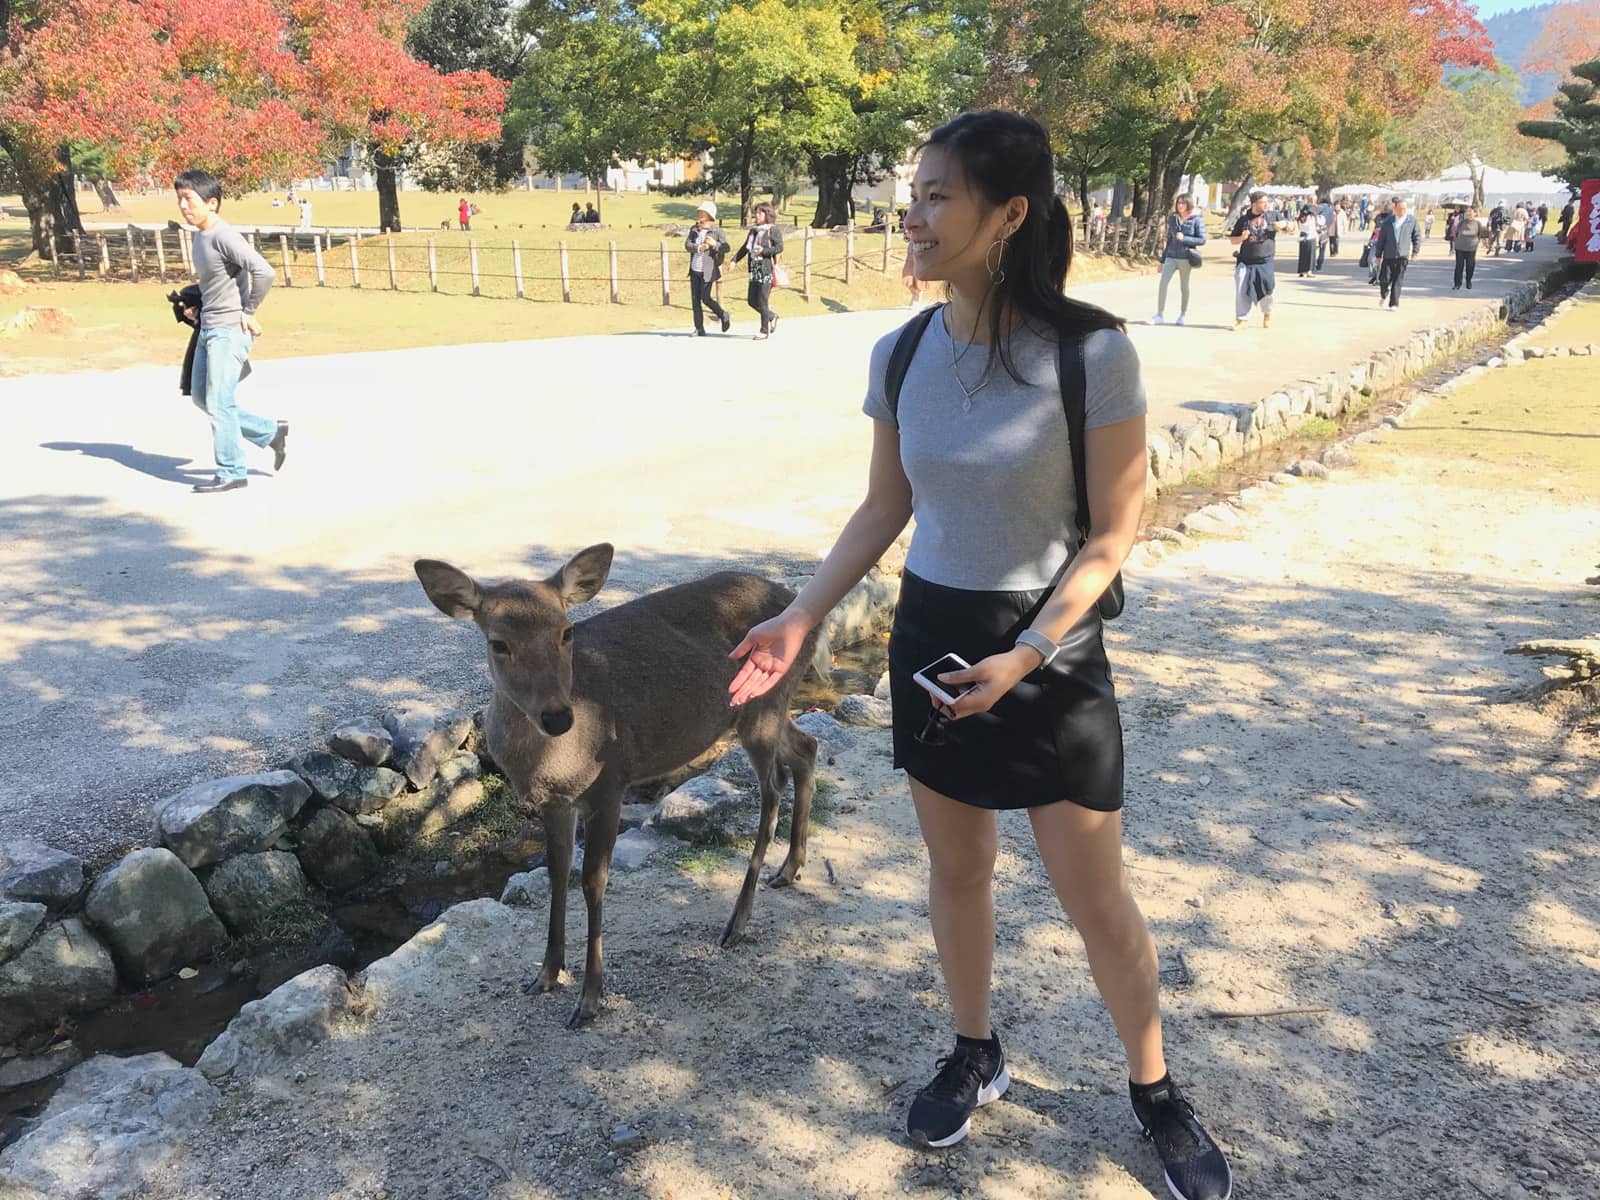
pixel 581 269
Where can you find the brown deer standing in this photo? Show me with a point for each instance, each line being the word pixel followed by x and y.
pixel 582 710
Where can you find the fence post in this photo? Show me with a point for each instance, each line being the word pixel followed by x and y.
pixel 472 254
pixel 55 258
pixel 516 268
pixel 254 244
pixel 133 255
pixel 105 256
pixel 849 253
pixel 161 257
pixel 316 247
pixel 185 255
pixel 616 292
pixel 666 269
pixel 805 270
pixel 433 264
pixel 288 264
pixel 355 260
pixel 566 276
pixel 885 245
pixel 77 251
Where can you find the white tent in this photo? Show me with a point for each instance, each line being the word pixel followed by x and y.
pixel 1454 186
pixel 1356 189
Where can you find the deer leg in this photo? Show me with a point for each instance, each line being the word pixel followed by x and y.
pixel 600 836
pixel 559 830
pixel 758 733
pixel 798 751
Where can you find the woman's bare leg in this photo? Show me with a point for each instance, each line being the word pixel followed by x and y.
pixel 961 850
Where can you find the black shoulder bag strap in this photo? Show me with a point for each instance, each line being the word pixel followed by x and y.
pixel 1074 395
pixel 1074 390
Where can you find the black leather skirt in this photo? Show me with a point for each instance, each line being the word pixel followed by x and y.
pixel 1055 736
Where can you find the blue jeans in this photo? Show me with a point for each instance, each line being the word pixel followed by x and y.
pixel 214 384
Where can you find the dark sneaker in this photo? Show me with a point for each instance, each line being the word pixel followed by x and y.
pixel 279 445
pixel 218 484
pixel 727 322
pixel 971 1076
pixel 1195 1168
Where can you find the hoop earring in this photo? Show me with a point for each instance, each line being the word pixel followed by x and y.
pixel 997 273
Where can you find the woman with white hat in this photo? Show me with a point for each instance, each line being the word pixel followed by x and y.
pixel 707 246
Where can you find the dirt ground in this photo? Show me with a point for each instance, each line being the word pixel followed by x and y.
pixel 1340 799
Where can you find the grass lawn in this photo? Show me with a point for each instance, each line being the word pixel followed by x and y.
pixel 1535 426
pixel 120 324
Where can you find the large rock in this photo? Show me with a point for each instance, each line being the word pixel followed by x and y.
pixel 18 920
pixel 866 610
pixel 280 1026
pixel 335 851
pixel 220 818
pixel 527 889
pixel 423 738
pixel 706 807
pixel 63 970
pixel 462 940
pixel 832 737
pixel 365 743
pixel 153 914
pixel 452 794
pixel 329 775
pixel 375 787
pixel 867 711
pixel 249 889
pixel 110 1132
pixel 34 871
pixel 636 847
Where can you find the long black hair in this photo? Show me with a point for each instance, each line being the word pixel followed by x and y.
pixel 1005 154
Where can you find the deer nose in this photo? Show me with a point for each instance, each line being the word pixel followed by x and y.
pixel 557 721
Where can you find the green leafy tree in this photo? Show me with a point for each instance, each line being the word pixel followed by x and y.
pixel 470 35
pixel 1576 124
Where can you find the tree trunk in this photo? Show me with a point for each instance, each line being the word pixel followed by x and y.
pixel 1139 197
pixel 1083 201
pixel 832 173
pixel 60 204
pixel 108 197
pixel 1119 198
pixel 1241 197
pixel 747 187
pixel 388 192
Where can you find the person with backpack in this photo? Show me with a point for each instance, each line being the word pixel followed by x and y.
pixel 1186 232
pixel 1465 244
pixel 1022 525
pixel 1255 234
pixel 707 247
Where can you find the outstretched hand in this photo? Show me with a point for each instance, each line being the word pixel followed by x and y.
pixel 772 647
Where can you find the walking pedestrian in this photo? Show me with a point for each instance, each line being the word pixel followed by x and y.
pixel 1340 227
pixel 1307 226
pixel 464 215
pixel 1365 203
pixel 977 448
pixel 234 280
pixel 1399 236
pixel 1369 255
pixel 305 212
pixel 1186 232
pixel 762 245
pixel 1497 227
pixel 1465 244
pixel 1427 223
pixel 707 246
pixel 1517 230
pixel 1568 211
pixel 1253 276
pixel 1324 212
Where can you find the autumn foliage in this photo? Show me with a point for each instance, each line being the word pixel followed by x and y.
pixel 249 89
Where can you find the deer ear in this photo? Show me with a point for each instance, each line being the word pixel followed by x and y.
pixel 452 590
pixel 585 575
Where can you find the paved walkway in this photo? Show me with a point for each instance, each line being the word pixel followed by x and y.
pixel 150 637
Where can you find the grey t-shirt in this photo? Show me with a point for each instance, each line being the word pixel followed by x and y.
pixel 991 477
pixel 233 278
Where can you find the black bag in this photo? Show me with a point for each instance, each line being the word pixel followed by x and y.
pixel 1074 390
pixel 1366 255
pixel 1193 256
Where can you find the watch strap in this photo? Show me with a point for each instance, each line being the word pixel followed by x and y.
pixel 1035 640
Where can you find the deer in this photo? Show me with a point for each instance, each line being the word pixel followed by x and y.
pixel 583 709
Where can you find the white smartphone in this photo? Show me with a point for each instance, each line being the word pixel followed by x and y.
pixel 928 678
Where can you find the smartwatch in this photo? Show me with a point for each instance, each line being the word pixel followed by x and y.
pixel 1035 640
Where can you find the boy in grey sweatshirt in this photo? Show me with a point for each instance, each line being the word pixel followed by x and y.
pixel 234 280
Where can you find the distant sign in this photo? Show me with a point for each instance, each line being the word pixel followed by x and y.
pixel 1589 221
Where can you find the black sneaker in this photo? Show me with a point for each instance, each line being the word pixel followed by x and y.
pixel 972 1075
pixel 1195 1168
pixel 279 445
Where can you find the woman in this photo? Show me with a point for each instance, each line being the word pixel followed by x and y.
pixel 1370 256
pixel 707 246
pixel 1186 229
pixel 762 245
pixel 977 451
pixel 1517 230
pixel 1308 240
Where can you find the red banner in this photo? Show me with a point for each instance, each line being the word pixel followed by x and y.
pixel 1588 247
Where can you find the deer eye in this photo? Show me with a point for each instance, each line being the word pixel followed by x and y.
pixel 498 647
pixel 566 636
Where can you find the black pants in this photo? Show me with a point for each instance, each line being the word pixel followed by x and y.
pixel 700 293
pixel 1308 251
pixel 759 297
pixel 1466 264
pixel 1390 276
pixel 1333 245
